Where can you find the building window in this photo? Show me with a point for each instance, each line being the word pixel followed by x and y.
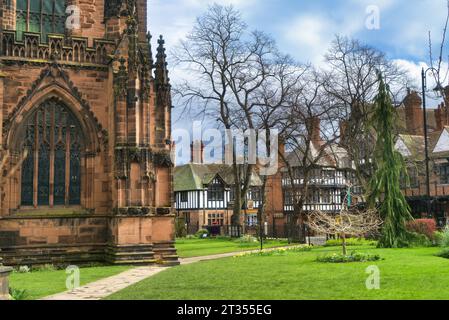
pixel 313 197
pixel 184 196
pixel 41 16
pixel 51 173
pixel 444 174
pixel 256 194
pixel 326 197
pixel 215 219
pixel 216 191
pixel 251 220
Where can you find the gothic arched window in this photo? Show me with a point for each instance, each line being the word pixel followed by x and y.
pixel 51 173
pixel 41 16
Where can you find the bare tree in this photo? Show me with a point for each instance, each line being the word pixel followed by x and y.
pixel 275 97
pixel 437 64
pixel 351 83
pixel 231 66
pixel 348 222
pixel 308 130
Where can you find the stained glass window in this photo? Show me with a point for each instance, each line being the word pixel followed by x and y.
pixel 54 138
pixel 41 16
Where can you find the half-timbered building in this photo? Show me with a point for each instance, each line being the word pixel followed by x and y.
pixel 204 195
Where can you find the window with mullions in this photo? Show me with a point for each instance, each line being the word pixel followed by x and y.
pixel 51 173
pixel 216 191
pixel 41 16
pixel 444 174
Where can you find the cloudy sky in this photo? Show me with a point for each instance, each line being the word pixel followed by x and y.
pixel 305 28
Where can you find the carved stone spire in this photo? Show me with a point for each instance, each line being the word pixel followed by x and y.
pixel 161 73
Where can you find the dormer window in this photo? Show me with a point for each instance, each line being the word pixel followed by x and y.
pixel 40 16
pixel 216 191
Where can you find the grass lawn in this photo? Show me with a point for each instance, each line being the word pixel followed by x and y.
pixel 39 284
pixel 188 248
pixel 405 274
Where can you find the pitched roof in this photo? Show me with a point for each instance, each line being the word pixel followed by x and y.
pixel 437 139
pixel 415 146
pixel 334 156
pixel 193 176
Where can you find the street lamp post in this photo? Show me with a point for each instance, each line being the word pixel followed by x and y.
pixel 438 88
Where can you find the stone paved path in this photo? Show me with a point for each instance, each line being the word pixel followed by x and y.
pixel 105 287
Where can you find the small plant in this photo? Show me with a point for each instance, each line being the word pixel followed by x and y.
pixel 202 234
pixel 24 269
pixel 17 294
pixel 353 257
pixel 441 238
pixel 191 236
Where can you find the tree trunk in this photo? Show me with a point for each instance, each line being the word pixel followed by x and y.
pixel 343 244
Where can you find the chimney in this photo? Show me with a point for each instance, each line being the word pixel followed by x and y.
pixel 414 114
pixel 197 152
pixel 344 124
pixel 314 129
pixel 441 117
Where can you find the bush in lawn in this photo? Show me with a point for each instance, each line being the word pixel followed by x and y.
pixel 202 233
pixel 427 227
pixel 353 257
pixel 351 242
pixel 180 227
pixel 441 238
pixel 418 240
pixel 443 254
pixel 247 239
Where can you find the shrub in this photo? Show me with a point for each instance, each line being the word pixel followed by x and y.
pixel 191 236
pixel 180 228
pixel 351 242
pixel 17 294
pixel 247 239
pixel 441 238
pixel 202 233
pixel 418 240
pixel 426 227
pixel 443 254
pixel 353 257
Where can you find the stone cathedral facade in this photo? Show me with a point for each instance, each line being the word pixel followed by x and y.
pixel 86 172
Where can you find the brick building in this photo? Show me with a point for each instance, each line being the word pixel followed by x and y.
pixel 411 144
pixel 85 121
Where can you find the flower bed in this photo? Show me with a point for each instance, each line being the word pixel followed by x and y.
pixel 353 257
pixel 275 252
